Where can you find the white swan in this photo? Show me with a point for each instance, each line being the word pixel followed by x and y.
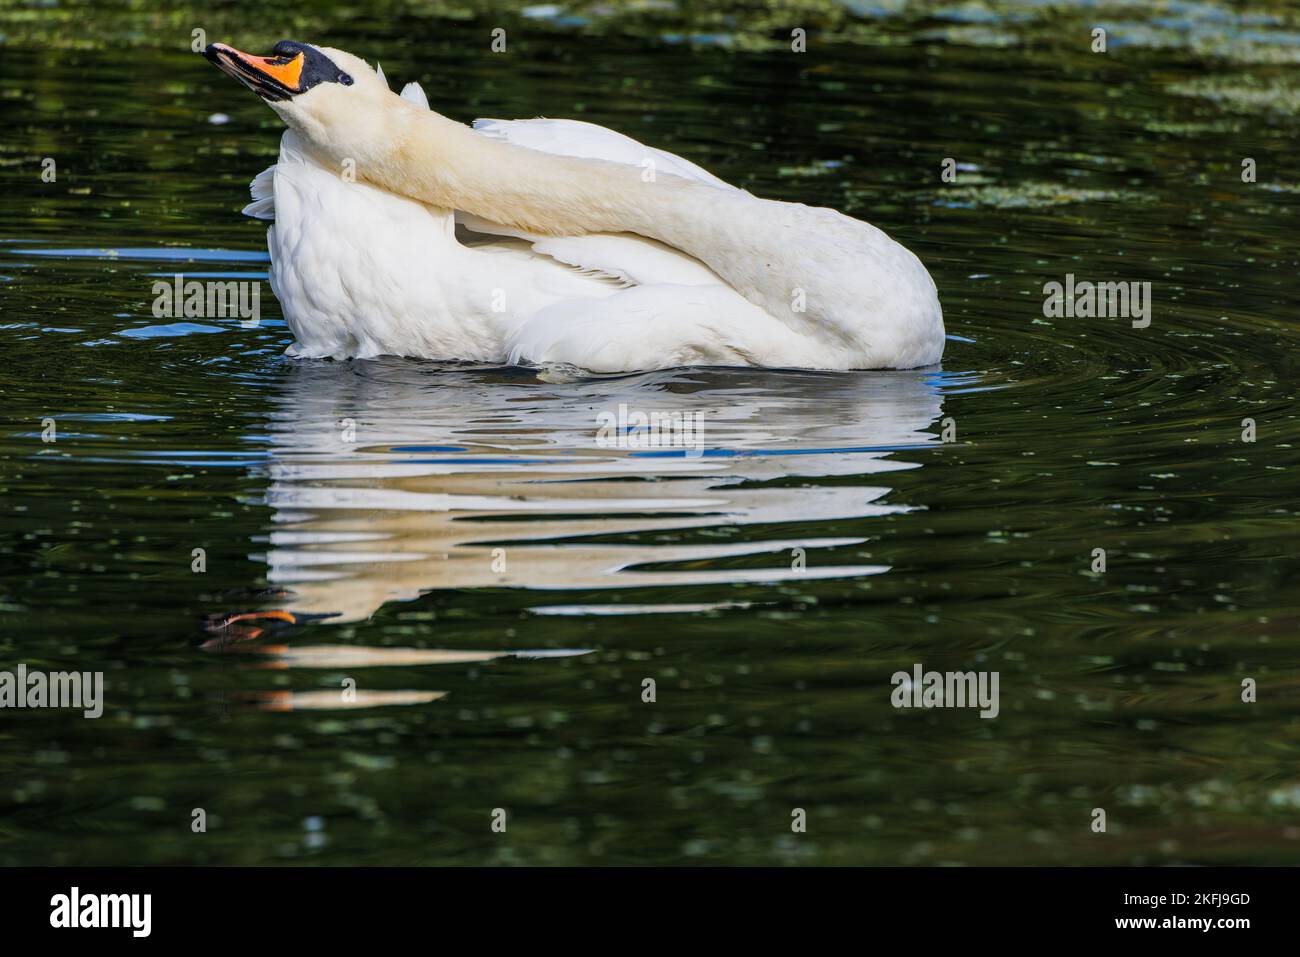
pixel 398 231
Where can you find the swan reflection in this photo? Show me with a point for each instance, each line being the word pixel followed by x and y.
pixel 391 478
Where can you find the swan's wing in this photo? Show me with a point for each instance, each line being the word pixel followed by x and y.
pixel 625 258
pixel 589 141
pixel 658 327
pixel 633 260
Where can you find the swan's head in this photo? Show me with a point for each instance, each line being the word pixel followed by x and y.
pixel 318 91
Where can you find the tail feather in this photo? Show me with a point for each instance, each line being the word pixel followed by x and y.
pixel 263 190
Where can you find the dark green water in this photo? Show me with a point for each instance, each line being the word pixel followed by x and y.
pixel 1119 690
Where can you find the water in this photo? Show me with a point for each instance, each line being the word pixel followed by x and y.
pixel 499 583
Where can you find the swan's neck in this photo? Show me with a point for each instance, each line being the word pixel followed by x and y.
pixel 446 164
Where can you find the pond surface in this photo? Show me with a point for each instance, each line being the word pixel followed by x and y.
pixel 498 582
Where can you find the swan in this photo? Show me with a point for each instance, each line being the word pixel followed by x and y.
pixel 552 242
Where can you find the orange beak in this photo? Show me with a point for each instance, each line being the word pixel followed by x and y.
pixel 272 78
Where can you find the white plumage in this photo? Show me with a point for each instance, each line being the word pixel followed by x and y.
pixel 362 271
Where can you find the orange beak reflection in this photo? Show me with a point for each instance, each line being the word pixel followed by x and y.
pixel 272 78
